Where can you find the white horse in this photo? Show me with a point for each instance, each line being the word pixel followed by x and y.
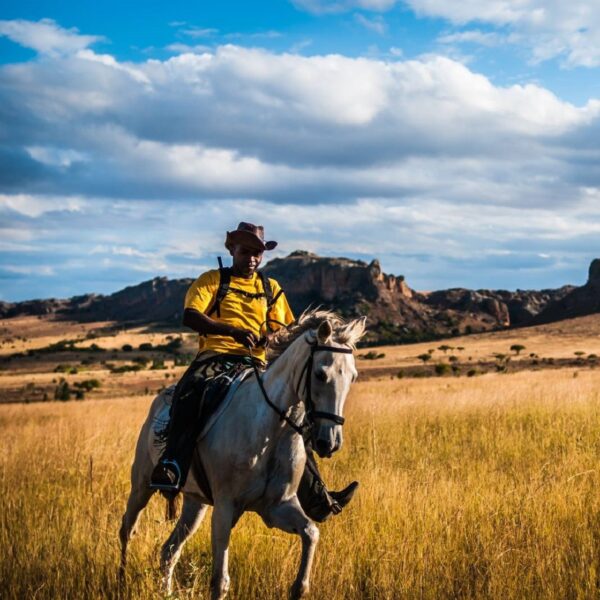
pixel 253 458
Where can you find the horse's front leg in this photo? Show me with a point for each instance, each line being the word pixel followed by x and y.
pixel 289 516
pixel 222 523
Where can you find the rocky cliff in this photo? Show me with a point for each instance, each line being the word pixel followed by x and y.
pixel 395 312
pixel 578 302
pixel 157 300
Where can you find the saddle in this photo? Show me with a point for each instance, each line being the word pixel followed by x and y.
pixel 208 386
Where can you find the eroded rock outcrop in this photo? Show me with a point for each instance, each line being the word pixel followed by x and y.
pixel 580 301
pixel 395 312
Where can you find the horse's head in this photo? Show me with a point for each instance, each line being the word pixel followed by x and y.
pixel 330 371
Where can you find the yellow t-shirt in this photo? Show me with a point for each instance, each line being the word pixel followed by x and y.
pixel 237 310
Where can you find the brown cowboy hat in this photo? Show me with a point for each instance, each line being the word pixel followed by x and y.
pixel 249 235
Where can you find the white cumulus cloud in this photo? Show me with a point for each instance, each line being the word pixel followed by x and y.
pixel 549 28
pixel 398 158
pixel 46 36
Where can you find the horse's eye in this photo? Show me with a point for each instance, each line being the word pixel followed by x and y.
pixel 321 375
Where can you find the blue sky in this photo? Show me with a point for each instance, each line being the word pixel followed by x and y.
pixel 457 143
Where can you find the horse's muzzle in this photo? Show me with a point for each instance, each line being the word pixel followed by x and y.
pixel 327 440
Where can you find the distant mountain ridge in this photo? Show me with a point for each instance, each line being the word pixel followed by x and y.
pixel 396 313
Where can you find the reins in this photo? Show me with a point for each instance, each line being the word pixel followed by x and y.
pixel 310 412
pixel 305 374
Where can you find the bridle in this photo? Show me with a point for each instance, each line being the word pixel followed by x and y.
pixel 306 374
pixel 311 413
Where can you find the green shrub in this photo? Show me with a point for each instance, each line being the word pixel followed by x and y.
pixel 442 369
pixel 88 385
pixel 62 391
pixel 123 368
pixel 372 355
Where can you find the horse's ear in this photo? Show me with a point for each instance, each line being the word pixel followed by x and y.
pixel 353 331
pixel 359 326
pixel 324 332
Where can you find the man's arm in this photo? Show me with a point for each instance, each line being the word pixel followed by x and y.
pixel 204 325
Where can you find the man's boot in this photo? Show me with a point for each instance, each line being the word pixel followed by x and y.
pixel 316 501
pixel 344 496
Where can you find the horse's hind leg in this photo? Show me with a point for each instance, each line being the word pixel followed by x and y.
pixel 290 517
pixel 138 498
pixel 192 513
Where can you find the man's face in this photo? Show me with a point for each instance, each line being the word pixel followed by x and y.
pixel 245 259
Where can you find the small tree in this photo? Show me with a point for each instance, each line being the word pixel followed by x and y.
pixel 444 348
pixel 424 357
pixel 517 348
pixel 62 391
pixel 442 369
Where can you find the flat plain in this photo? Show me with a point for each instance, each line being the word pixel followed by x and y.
pixel 472 486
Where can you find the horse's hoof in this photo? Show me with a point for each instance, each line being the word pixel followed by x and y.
pixel 167 584
pixel 298 590
pixel 219 591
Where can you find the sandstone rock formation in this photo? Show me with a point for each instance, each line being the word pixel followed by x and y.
pixel 580 301
pixel 395 312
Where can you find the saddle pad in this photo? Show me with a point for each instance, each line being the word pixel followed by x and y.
pixel 224 402
pixel 160 422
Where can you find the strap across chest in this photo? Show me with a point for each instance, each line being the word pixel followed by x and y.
pixel 225 288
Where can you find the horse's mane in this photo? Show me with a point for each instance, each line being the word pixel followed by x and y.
pixel 343 332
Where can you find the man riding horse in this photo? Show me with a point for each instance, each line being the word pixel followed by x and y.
pixel 229 308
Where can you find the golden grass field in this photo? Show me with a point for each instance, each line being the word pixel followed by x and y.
pixel 480 487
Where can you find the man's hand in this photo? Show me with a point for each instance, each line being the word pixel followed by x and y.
pixel 204 325
pixel 245 337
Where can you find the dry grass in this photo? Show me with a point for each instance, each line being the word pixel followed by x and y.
pixel 556 340
pixel 482 488
pixel 20 334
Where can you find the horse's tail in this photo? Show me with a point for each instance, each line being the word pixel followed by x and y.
pixel 172 508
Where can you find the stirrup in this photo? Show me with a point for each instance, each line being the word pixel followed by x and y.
pixel 168 487
pixel 334 506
